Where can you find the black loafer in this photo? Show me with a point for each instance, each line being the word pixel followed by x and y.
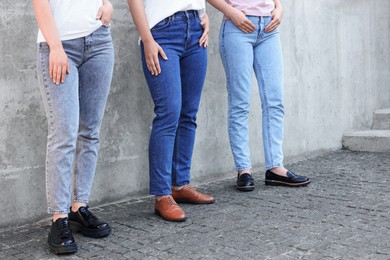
pixel 245 182
pixel 292 180
pixel 60 238
pixel 85 222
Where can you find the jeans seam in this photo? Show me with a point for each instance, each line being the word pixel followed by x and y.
pixel 175 155
pixel 50 124
pixel 228 85
pixel 223 57
pixel 267 112
pixel 153 188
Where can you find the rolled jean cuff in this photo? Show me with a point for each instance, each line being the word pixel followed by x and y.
pixel 274 166
pixel 160 195
pixel 161 192
pixel 181 184
pixel 80 200
pixel 57 212
pixel 243 168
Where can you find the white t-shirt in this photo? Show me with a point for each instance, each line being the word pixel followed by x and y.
pixel 157 10
pixel 74 18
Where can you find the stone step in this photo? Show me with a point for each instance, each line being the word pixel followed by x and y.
pixel 367 141
pixel 381 119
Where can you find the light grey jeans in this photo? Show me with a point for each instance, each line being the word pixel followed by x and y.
pixel 74 111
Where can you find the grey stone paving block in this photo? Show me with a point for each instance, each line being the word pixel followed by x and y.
pixel 342 214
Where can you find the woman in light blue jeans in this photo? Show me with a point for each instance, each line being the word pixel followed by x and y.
pixel 75 61
pixel 249 41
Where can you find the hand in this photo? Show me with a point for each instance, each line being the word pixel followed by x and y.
pixel 277 15
pixel 105 13
pixel 152 50
pixel 58 65
pixel 204 39
pixel 241 21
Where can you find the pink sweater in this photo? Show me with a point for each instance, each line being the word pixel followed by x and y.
pixel 253 7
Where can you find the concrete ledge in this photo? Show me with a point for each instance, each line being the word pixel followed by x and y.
pixel 381 120
pixel 369 141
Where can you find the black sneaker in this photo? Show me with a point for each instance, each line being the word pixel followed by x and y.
pixel 60 238
pixel 85 222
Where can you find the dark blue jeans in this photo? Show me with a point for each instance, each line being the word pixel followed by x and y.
pixel 176 95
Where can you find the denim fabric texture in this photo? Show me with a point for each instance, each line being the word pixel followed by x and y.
pixel 176 94
pixel 74 112
pixel 241 54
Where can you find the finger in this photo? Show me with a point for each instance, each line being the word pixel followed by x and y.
pixel 151 66
pixel 68 68
pixel 206 42
pixel 100 13
pixel 250 25
pixel 246 29
pixel 202 39
pixel 106 19
pixel 272 26
pixel 54 77
pixel 51 70
pixel 63 73
pixel 154 65
pixel 162 53
pixel 157 68
pixel 56 74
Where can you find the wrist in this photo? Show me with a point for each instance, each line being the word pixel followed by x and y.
pixel 230 12
pixel 278 6
pixel 147 40
pixel 55 46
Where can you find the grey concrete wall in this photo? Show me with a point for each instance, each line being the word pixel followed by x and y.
pixel 337 60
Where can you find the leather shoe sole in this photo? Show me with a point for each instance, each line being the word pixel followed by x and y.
pixel 245 188
pixel 170 219
pixel 94 233
pixel 61 249
pixel 282 183
pixel 194 202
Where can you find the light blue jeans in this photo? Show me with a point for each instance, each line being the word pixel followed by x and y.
pixel 74 111
pixel 241 53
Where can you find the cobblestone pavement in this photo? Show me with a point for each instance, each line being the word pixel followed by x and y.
pixel 342 214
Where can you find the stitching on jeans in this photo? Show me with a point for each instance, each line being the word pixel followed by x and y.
pixel 266 110
pixel 45 91
pixel 268 116
pixel 223 55
pixel 227 68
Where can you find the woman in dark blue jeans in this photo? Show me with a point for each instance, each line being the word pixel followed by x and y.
pixel 174 58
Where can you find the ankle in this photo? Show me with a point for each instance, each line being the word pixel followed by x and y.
pixel 280 170
pixel 76 205
pixel 158 198
pixel 244 171
pixel 57 216
pixel 177 187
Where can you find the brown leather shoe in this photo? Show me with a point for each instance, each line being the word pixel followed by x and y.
pixel 188 194
pixel 168 209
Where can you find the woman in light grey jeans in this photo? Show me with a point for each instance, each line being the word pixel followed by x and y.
pixel 75 63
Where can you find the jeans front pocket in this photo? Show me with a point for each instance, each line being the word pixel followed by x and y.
pixel 162 24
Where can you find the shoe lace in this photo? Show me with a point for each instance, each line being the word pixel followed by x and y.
pixel 89 217
pixel 190 187
pixel 171 201
pixel 64 228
